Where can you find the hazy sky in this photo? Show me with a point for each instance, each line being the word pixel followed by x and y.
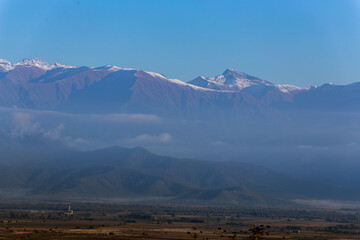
pixel 302 42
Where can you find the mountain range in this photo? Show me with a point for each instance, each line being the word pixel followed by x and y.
pixel 137 174
pixel 239 120
pixel 32 83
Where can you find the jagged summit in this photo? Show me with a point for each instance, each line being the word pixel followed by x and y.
pixel 30 61
pixel 113 68
pixel 34 62
pixel 230 79
pixel 6 66
pixel 4 61
pixel 109 67
pixel 234 80
pixel 232 71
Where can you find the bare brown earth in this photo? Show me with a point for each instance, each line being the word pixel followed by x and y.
pixel 110 221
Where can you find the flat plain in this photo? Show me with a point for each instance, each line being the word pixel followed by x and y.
pixel 149 221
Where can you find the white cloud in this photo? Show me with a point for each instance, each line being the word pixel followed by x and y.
pixel 54 134
pixel 24 124
pixel 146 138
pixel 50 125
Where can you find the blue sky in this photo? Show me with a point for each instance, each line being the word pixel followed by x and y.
pixel 300 42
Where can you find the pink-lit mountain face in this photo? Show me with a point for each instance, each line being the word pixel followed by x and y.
pixel 39 85
pixel 32 83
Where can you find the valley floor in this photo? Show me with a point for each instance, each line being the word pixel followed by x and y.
pixel 112 221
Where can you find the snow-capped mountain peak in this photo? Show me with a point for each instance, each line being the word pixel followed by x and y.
pixel 4 61
pixel 231 79
pixel 35 62
pixel 30 62
pixel 109 68
pixel 59 65
pixel 233 72
pixel 5 65
pixel 113 68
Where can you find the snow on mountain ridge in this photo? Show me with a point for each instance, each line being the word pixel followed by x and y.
pixel 5 65
pixel 31 62
pixel 178 82
pixel 113 68
pixel 233 80
pixel 286 88
pixel 230 79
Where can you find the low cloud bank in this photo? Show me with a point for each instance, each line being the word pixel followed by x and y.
pixel 111 118
pixel 148 139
